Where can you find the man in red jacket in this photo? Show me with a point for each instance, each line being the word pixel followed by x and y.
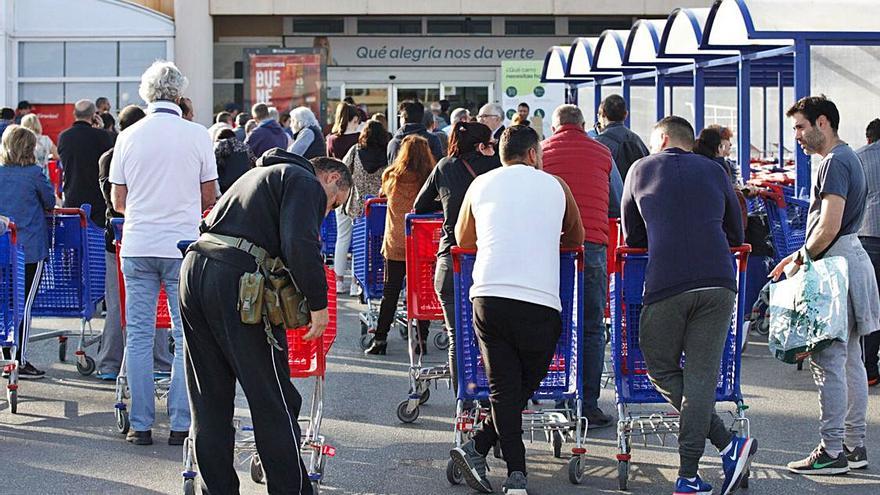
pixel 585 165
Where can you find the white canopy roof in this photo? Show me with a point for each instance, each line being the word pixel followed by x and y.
pixel 643 44
pixel 683 34
pixel 609 52
pixel 555 64
pixel 580 56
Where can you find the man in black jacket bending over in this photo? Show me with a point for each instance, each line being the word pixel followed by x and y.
pixel 274 210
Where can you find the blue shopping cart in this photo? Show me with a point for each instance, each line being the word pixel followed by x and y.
pixel 563 380
pixel 12 301
pixel 369 265
pixel 328 234
pixel 787 218
pixel 72 284
pixel 631 383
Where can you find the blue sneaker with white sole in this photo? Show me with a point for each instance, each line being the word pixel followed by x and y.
pixel 685 486
pixel 736 462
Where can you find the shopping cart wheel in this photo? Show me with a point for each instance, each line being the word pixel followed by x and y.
pixel 453 473
pixel 62 349
pixel 12 398
pixel 622 474
pixel 425 396
pixel 576 470
pixel 86 369
pixel 441 340
pixel 122 422
pixel 557 444
pixel 256 469
pixel 406 416
pixel 366 341
pixel 364 328
pixel 744 482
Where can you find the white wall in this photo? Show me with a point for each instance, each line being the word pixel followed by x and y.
pixel 193 49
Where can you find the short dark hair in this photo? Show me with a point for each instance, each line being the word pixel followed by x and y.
pixel 811 107
pixel 225 133
pixel 109 121
pixel 873 131
pixel 524 104
pixel 326 165
pixel 412 111
pixel 614 108
pixel 708 142
pixel 444 105
pixel 222 117
pixel 23 105
pixel 7 113
pixel 516 141
pixel 242 118
pixel 101 100
pixel 129 115
pixel 678 129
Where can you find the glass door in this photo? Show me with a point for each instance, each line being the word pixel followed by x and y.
pixel 467 95
pixel 371 98
pixel 425 93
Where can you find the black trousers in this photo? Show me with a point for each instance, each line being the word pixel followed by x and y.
pixel 395 272
pixel 219 350
pixel 872 341
pixel 32 274
pixel 517 341
pixel 444 286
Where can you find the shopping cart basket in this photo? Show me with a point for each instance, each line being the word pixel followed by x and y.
pixel 422 240
pixel 307 359
pixel 632 385
pixel 787 217
pixel 12 301
pixel 369 265
pixel 328 235
pixel 563 380
pixel 72 284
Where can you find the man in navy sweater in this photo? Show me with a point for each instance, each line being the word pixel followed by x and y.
pixel 681 206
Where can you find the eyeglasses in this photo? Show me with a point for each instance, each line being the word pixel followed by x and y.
pixel 487 115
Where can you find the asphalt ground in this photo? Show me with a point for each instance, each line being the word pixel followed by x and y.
pixel 64 440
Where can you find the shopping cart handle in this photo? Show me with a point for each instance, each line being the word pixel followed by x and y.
pixel 373 201
pixel 83 213
pixel 410 217
pixel 13 232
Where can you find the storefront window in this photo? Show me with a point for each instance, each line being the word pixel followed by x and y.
pixel 389 26
pixel 90 59
pixel 459 26
pixel 41 92
pixel 530 27
pixel 40 59
pixel 319 25
pixel 136 56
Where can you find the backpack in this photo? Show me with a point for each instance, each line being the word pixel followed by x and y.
pixel 625 152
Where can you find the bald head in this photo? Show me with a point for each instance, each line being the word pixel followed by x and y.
pixel 84 110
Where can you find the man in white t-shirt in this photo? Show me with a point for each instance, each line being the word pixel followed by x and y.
pixel 164 175
pixel 515 292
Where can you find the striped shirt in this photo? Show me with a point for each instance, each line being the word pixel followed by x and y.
pixel 870 157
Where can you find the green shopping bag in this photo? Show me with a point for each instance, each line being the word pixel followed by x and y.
pixel 809 310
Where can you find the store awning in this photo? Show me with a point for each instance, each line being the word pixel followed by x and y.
pixel 643 45
pixel 683 34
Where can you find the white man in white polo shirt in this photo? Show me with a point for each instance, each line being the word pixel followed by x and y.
pixel 513 215
pixel 164 175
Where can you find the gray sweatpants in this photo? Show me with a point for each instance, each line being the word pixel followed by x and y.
pixel 695 323
pixel 839 373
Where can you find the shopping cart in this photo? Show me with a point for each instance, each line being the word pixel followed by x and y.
pixel 328 235
pixel 163 320
pixel 632 385
pixel 613 240
pixel 422 240
pixel 72 284
pixel 563 380
pixel 12 301
pixel 307 359
pixel 787 217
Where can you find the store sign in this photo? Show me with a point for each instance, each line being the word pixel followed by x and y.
pixel 54 118
pixel 286 78
pixel 427 50
pixel 521 83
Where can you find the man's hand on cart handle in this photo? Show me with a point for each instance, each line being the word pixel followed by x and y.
pixel 320 320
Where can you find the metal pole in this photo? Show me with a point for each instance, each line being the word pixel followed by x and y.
pixel 597 99
pixel 661 96
pixel 781 88
pixel 671 100
pixel 699 99
pixel 744 86
pixel 801 89
pixel 626 94
pixel 766 148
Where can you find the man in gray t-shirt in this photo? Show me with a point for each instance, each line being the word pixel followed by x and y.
pixel 836 211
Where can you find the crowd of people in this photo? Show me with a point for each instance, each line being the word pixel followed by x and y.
pixel 253 189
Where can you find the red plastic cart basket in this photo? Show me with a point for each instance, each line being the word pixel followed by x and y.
pixel 309 358
pixel 163 316
pixel 422 241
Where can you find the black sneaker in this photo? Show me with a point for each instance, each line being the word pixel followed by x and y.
pixel 177 437
pixel 598 419
pixel 516 484
pixel 820 463
pixel 140 437
pixel 28 372
pixel 857 457
pixel 377 348
pixel 472 466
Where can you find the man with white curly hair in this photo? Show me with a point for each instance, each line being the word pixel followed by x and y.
pixel 163 176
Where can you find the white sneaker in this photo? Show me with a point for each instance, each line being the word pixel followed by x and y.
pixel 340 287
pixel 354 290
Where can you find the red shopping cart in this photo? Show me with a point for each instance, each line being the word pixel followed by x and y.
pixel 12 301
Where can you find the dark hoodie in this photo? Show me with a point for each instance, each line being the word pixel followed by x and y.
pixel 266 136
pixel 282 186
pixel 406 130
pixel 445 188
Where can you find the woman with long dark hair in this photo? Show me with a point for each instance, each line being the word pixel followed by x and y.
pixel 344 133
pixel 366 160
pixel 471 153
pixel 401 182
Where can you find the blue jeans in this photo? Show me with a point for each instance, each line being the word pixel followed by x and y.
pixel 143 277
pixel 593 348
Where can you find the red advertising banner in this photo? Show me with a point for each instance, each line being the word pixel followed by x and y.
pixel 54 118
pixel 287 78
